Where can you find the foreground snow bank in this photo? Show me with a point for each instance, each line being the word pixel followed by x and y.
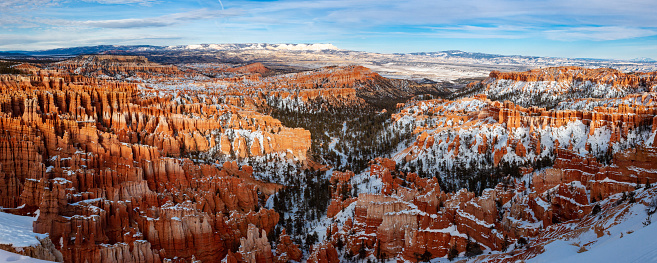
pixel 17 231
pixel 631 240
pixel 6 256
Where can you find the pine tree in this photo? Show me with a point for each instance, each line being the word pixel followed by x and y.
pixel 339 244
pixel 361 251
pixel 453 253
pixel 648 183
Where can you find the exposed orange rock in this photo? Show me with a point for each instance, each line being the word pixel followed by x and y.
pixel 324 253
pixel 341 187
pixel 94 157
pixel 570 74
pixel 286 250
pixel 255 247
pixel 111 65
pixel 135 171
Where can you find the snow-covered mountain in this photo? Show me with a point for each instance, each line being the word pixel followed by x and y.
pixel 255 46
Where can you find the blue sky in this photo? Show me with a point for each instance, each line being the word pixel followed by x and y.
pixel 562 28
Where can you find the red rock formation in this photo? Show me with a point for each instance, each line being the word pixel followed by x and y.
pixel 571 74
pixel 124 171
pixel 255 247
pixel 250 68
pixel 286 250
pixel 340 189
pixel 93 156
pixel 111 65
pixel 44 250
pixel 324 253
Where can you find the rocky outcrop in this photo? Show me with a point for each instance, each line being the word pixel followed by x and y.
pixel 324 253
pixel 402 221
pixel 549 86
pixel 255 247
pixel 286 250
pixel 577 74
pixel 106 66
pixel 340 194
pixel 126 160
pixel 413 219
pixel 107 164
pixel 46 250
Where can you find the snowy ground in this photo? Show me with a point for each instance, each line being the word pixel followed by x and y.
pixel 629 241
pixel 6 256
pixel 17 230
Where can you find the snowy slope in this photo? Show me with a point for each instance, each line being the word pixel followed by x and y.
pixel 621 232
pixel 257 46
pixel 17 230
pixel 628 241
pixel 6 256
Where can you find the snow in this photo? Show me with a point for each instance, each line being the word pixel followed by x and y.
pixel 334 141
pixel 643 99
pixel 339 219
pixel 451 230
pixel 6 257
pixel 526 93
pixel 441 159
pixel 607 180
pixel 473 219
pixel 258 46
pixel 17 230
pixel 543 204
pixel 628 241
pixel 366 183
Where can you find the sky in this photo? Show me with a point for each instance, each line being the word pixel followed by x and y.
pixel 607 29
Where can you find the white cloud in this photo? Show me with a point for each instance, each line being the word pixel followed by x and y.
pixel 160 21
pixel 123 2
pixel 480 32
pixel 70 38
pixel 11 5
pixel 601 33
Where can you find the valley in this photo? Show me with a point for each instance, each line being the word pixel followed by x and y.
pixel 278 153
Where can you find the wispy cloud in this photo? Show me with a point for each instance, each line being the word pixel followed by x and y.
pixel 122 2
pixel 481 32
pixel 12 5
pixel 78 38
pixel 159 21
pixel 16 14
pixel 602 33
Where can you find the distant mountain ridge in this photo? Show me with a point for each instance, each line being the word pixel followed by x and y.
pixel 74 51
pixel 287 47
pixel 644 59
pixel 464 54
pixel 324 47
